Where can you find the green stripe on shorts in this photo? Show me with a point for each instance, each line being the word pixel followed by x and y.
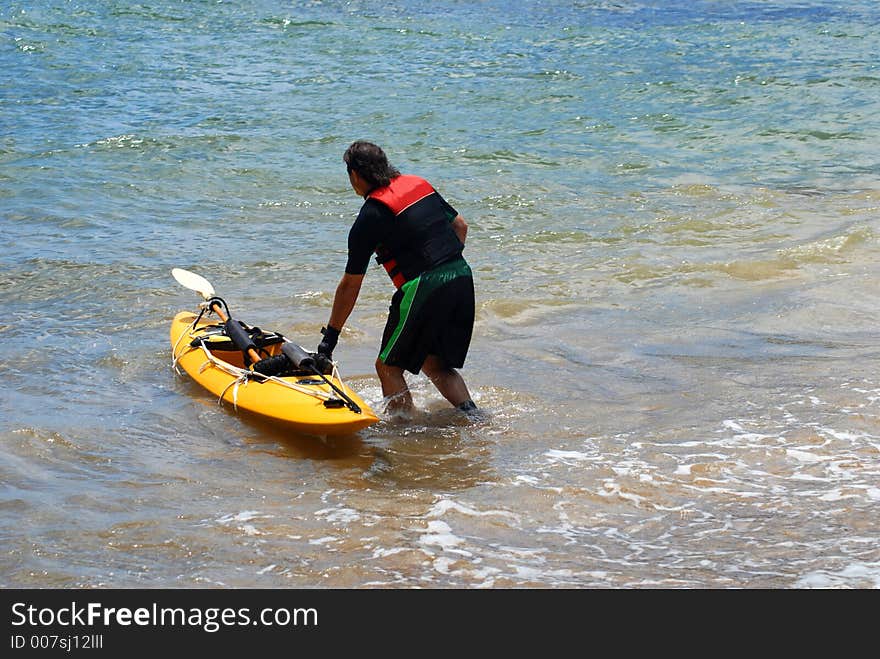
pixel 409 293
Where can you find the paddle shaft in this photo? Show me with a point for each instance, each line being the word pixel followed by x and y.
pixel 215 307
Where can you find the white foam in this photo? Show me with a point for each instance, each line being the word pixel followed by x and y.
pixel 808 477
pixel 852 576
pixel 442 563
pixel 837 495
pixel 440 535
pixel 613 488
pixel 344 515
pixel 804 456
pixel 847 436
pixel 742 434
pixel 752 436
pixel 445 505
pixel 569 455
pixel 244 516
pixel 528 572
pixel 323 541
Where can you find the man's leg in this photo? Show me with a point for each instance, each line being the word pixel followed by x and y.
pixel 448 382
pixel 394 388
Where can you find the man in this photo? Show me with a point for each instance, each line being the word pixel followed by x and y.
pixel 418 238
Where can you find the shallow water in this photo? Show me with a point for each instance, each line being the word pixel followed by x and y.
pixel 674 231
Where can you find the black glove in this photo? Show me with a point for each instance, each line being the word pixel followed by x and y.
pixel 326 346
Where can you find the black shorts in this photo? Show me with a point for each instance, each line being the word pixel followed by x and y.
pixel 432 314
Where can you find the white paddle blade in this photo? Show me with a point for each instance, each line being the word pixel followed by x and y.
pixel 193 282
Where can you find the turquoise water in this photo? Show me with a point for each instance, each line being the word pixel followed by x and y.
pixel 673 214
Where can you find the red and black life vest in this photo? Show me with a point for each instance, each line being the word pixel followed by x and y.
pixel 423 237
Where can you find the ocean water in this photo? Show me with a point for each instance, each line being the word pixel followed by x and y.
pixel 674 214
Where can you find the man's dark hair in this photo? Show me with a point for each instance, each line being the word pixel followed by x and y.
pixel 371 163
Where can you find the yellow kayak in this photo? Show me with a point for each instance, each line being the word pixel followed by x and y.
pixel 308 402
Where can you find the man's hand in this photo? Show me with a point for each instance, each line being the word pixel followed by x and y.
pixel 328 343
